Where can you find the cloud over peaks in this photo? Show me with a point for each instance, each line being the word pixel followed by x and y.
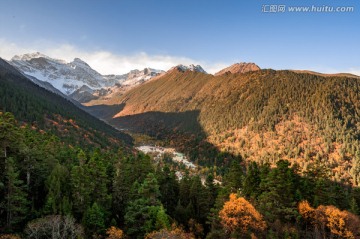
pixel 103 61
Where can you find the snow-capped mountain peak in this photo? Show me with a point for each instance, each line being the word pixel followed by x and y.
pixel 76 76
pixel 79 62
pixel 27 57
pixel 66 77
pixel 192 67
pixel 196 68
pixel 35 55
pixel 136 77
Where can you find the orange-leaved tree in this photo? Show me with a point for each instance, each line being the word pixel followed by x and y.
pixel 114 233
pixel 9 236
pixel 238 216
pixel 174 233
pixel 329 221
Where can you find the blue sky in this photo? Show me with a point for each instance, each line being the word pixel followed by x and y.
pixel 115 36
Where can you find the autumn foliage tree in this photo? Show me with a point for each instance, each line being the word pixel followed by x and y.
pixel 114 233
pixel 174 233
pixel 329 221
pixel 9 236
pixel 239 217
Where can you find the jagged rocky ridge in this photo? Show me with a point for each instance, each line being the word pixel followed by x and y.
pixel 76 79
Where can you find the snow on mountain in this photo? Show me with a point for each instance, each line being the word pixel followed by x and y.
pixel 117 78
pixel 77 77
pixel 136 77
pixel 29 56
pixel 66 77
pixel 191 67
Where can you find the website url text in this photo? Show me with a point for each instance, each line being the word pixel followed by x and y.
pixel 306 9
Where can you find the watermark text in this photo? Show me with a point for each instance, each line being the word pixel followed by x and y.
pixel 276 8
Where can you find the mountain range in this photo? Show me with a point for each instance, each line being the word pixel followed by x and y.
pixel 77 79
pixel 282 139
pixel 262 115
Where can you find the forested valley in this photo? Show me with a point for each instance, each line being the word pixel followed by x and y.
pixel 115 194
pixel 65 174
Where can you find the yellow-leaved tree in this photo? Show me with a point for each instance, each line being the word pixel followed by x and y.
pixel 174 233
pixel 114 233
pixel 329 221
pixel 239 217
pixel 9 236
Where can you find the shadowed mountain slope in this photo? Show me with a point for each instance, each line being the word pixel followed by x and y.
pixel 46 110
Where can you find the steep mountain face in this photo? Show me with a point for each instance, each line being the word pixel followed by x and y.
pixel 66 77
pixel 45 110
pixel 239 68
pixel 76 79
pixel 263 115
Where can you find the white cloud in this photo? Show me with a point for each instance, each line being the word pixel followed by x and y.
pixel 107 62
pixel 104 62
pixel 8 49
pixel 352 70
pixel 355 71
pixel 328 70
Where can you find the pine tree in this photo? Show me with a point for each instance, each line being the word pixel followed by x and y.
pixel 162 219
pixel 169 188
pixel 9 133
pixel 184 190
pixel 354 207
pixel 79 190
pixel 212 189
pixel 180 214
pixel 89 183
pixel 95 169
pixel 128 171
pixel 58 195
pixel 233 179
pixel 355 169
pixel 94 220
pixel 149 189
pixel 277 201
pixel 145 213
pixel 251 182
pixel 199 198
pixel 15 197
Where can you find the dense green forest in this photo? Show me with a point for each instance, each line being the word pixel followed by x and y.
pixel 46 183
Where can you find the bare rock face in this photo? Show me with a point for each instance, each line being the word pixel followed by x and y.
pixel 242 67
